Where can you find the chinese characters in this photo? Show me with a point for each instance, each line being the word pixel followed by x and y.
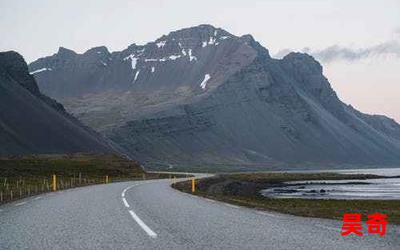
pixel 352 224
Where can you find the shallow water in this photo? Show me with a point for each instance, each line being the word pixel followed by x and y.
pixel 372 189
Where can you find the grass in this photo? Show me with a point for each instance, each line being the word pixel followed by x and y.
pixel 30 175
pixel 243 189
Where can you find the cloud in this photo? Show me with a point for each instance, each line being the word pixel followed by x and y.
pixel 397 33
pixel 337 52
pixel 282 53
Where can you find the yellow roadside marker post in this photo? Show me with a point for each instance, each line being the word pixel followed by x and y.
pixel 106 179
pixel 54 183
pixel 193 185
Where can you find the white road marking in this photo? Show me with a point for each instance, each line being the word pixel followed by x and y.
pixel 330 228
pixel 126 189
pixel 210 200
pixel 37 198
pixel 150 232
pixel 20 204
pixel 123 192
pixel 267 214
pixel 230 205
pixel 125 202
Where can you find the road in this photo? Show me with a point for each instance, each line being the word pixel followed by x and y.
pixel 152 215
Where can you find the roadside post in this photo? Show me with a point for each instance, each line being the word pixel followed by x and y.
pixel 193 185
pixel 54 182
pixel 106 179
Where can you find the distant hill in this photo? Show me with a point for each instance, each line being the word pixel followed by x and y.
pixel 202 96
pixel 32 123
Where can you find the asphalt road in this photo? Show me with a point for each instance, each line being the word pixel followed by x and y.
pixel 151 215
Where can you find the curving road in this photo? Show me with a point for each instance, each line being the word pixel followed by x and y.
pixel 152 215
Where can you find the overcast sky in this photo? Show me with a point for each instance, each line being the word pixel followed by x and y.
pixel 357 41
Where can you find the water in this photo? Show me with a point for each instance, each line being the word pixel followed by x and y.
pixel 372 189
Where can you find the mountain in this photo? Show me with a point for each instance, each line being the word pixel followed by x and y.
pixel 32 123
pixel 201 96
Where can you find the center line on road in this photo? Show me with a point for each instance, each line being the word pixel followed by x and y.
pixel 126 189
pixel 125 202
pixel 20 204
pixel 150 232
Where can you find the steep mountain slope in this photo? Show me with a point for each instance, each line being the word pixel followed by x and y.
pixel 34 123
pixel 204 96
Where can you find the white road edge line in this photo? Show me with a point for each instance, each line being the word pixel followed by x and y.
pixel 125 202
pixel 267 214
pixel 20 204
pixel 330 228
pixel 232 206
pixel 150 232
pixel 37 198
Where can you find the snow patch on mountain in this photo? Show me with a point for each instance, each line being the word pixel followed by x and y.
pixel 191 57
pixel 174 57
pixel 133 60
pixel 161 44
pixel 136 75
pixel 39 70
pixel 203 84
pixel 211 41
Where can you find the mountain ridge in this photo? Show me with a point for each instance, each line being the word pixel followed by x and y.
pixel 201 95
pixel 32 123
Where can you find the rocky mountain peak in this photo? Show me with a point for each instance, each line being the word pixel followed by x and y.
pixel 14 66
pixel 303 62
pixel 203 92
pixel 100 50
pixel 66 53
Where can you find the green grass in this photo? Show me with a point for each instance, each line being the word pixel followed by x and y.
pixel 243 189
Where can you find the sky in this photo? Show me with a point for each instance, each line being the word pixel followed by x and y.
pixel 356 41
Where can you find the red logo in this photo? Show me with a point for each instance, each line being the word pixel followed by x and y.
pixel 377 224
pixel 352 224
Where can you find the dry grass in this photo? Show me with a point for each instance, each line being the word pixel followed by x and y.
pixel 30 175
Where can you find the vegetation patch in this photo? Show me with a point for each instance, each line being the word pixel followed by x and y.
pixel 244 190
pixel 30 175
